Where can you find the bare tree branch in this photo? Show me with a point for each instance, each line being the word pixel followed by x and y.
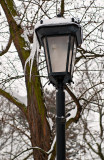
pixel 93 30
pixel 62 7
pixel 79 107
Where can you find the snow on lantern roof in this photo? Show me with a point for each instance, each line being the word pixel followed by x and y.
pixel 55 21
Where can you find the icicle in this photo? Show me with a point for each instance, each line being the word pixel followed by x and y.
pixel 34 52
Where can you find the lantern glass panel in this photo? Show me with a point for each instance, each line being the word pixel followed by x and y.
pixel 73 59
pixel 58 47
pixel 46 53
pixel 72 54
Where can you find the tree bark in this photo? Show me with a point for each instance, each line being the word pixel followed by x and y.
pixel 39 127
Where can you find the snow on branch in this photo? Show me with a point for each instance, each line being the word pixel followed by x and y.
pixel 14 100
pixel 49 153
pixel 7 47
pixel 36 148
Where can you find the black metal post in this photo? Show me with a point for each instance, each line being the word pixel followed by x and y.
pixel 60 123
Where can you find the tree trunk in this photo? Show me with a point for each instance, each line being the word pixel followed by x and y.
pixel 39 126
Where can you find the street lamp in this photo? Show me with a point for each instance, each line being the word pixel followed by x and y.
pixel 60 38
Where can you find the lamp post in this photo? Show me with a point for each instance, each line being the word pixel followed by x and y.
pixel 60 38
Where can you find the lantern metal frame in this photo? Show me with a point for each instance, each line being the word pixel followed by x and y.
pixel 72 30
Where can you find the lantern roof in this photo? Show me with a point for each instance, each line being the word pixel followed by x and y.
pixel 58 26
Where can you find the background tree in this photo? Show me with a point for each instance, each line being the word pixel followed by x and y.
pixel 17 21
